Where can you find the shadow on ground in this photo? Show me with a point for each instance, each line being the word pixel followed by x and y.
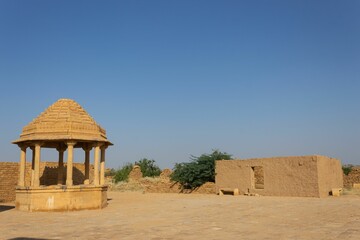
pixel 26 238
pixel 5 208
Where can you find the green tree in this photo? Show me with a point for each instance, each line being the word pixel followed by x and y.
pixel 199 170
pixel 110 173
pixel 347 168
pixel 122 173
pixel 148 167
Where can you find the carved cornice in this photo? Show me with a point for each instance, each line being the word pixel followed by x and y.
pixel 64 120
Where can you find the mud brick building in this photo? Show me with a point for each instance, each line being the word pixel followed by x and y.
pixel 304 176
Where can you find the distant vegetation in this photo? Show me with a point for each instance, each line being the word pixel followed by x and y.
pixel 148 167
pixel 189 174
pixel 122 173
pixel 110 172
pixel 347 169
pixel 199 171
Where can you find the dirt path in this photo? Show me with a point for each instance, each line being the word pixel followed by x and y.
pixel 178 216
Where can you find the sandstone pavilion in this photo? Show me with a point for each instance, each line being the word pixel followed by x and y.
pixel 63 126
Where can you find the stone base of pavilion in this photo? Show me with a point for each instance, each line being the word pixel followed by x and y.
pixel 60 198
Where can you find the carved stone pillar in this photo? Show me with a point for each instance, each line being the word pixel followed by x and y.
pixel 32 166
pixel 37 164
pixel 96 164
pixel 22 166
pixel 87 150
pixel 61 149
pixel 69 163
pixel 102 165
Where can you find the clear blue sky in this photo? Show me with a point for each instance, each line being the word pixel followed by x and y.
pixel 168 79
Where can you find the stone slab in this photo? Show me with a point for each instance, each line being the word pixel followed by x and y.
pixel 61 198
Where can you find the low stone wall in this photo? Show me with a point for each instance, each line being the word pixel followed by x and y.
pixel 352 177
pixel 61 198
pixel 9 175
pixel 161 184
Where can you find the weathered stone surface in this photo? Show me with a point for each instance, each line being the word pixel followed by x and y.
pixel 206 188
pixel 306 176
pixel 336 192
pixel 63 126
pixel 63 120
pixel 135 174
pixel 161 184
pixel 60 198
pixel 9 174
pixel 352 178
pixel 165 174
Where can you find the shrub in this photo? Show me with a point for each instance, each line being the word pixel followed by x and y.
pixel 110 173
pixel 122 174
pixel 347 169
pixel 148 167
pixel 199 170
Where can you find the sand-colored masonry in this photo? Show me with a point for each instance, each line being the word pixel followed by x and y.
pixel 63 126
pixel 304 176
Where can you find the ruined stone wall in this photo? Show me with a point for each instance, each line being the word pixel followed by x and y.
pixel 161 184
pixel 135 173
pixel 330 175
pixel 282 176
pixel 9 175
pixel 352 177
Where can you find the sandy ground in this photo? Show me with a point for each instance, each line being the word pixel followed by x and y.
pixel 179 216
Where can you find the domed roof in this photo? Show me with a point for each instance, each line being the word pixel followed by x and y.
pixel 64 120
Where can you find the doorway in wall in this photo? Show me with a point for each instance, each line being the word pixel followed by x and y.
pixel 257 177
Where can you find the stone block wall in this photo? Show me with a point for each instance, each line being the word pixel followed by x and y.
pixel 160 184
pixel 330 175
pixel 352 177
pixel 9 175
pixel 303 176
